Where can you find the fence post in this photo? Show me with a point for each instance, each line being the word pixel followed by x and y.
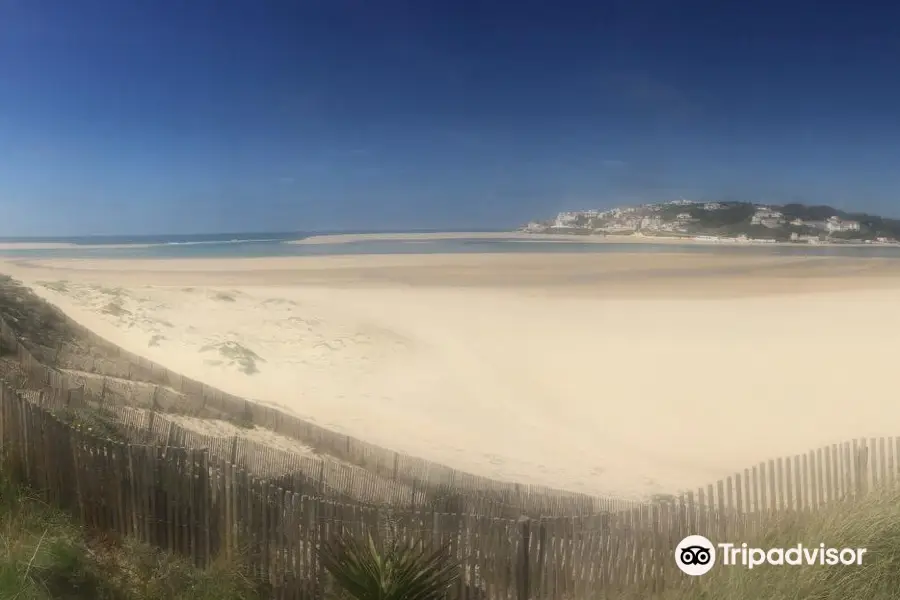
pixel 148 433
pixel 234 447
pixel 862 461
pixel 205 505
pixel 523 560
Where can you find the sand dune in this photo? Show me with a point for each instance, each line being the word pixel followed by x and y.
pixel 622 374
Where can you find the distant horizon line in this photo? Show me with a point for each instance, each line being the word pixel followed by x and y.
pixel 278 234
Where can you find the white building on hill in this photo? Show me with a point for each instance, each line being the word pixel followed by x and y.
pixel 767 217
pixel 566 220
pixel 836 224
pixel 651 222
pixel 809 239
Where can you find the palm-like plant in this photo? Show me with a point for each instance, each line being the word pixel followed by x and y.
pixel 402 571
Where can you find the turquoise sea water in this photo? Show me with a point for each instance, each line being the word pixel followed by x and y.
pixel 245 245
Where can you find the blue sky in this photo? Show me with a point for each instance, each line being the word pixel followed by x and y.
pixel 157 116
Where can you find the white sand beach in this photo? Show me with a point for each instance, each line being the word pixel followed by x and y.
pixel 623 374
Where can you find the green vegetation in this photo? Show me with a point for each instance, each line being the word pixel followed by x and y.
pixel 872 523
pixel 759 232
pixel 115 309
pixel 731 219
pixel 97 422
pixel 116 292
pixel 402 571
pixel 44 555
pixel 734 219
pixel 729 215
pixel 237 354
pixel 853 235
pixel 57 286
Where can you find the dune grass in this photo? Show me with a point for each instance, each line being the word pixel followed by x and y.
pixel 872 523
pixel 45 555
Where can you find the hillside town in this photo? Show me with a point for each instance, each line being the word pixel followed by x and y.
pixel 738 222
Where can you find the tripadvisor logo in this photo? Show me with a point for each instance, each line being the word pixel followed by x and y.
pixel 696 555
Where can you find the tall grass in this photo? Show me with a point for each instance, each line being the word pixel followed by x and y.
pixel 45 555
pixel 872 523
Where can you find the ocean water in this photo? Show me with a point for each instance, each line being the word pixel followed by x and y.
pixel 247 245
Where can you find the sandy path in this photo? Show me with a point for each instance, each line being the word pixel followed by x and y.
pixel 625 374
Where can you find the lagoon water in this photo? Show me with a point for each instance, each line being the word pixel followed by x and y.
pixel 249 245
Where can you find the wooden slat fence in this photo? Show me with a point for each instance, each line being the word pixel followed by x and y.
pixel 193 397
pixel 194 500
